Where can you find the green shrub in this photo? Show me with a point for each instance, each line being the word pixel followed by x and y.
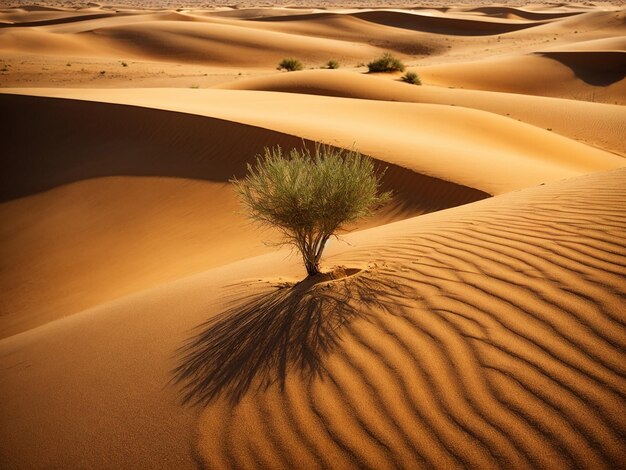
pixel 332 64
pixel 310 196
pixel 386 63
pixel 290 64
pixel 412 78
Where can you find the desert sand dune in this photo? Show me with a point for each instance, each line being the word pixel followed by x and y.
pixel 232 45
pixel 349 28
pixel 597 45
pixel 445 24
pixel 476 321
pixel 600 68
pixel 492 352
pixel 40 8
pixel 458 136
pixel 535 75
pixel 508 352
pixel 127 157
pixel 12 20
pixel 518 155
pixel 597 124
pixel 520 13
pixel 256 13
pixel 599 22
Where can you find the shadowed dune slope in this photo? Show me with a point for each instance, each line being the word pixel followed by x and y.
pixel 445 24
pixel 100 200
pixel 174 38
pixel 537 75
pixel 224 44
pixel 600 68
pixel 495 340
pixel 12 20
pixel 415 21
pixel 597 124
pixel 473 148
pixel 350 28
pixel 511 13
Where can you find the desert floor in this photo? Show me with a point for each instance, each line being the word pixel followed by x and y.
pixel 146 323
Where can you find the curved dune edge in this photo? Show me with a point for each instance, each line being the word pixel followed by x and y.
pixel 595 124
pixel 509 351
pixel 599 68
pixel 531 75
pixel 125 198
pixel 473 148
pixel 432 21
pixel 512 13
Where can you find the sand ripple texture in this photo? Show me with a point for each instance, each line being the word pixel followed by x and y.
pixel 499 342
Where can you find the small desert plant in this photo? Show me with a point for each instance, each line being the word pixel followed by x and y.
pixel 412 78
pixel 124 64
pixel 290 64
pixel 310 196
pixel 386 63
pixel 332 64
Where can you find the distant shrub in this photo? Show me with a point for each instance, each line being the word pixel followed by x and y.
pixel 290 64
pixel 386 63
pixel 412 78
pixel 124 64
pixel 332 64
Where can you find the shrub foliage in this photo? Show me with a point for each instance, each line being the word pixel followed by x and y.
pixel 412 78
pixel 386 63
pixel 290 64
pixel 332 64
pixel 310 196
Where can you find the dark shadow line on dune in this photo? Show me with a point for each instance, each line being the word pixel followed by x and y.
pixel 415 22
pixel 63 20
pixel 442 24
pixel 50 142
pixel 597 68
pixel 261 338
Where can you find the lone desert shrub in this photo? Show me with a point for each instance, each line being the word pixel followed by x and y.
pixel 386 63
pixel 310 196
pixel 332 64
pixel 290 64
pixel 412 78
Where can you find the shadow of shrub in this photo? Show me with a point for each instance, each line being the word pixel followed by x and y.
pixel 263 337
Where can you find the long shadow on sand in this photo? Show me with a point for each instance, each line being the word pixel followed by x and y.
pixel 263 337
pixel 597 68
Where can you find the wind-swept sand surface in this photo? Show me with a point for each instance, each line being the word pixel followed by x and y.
pixel 478 320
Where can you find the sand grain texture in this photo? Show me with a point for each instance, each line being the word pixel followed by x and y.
pixel 507 340
pixel 476 321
